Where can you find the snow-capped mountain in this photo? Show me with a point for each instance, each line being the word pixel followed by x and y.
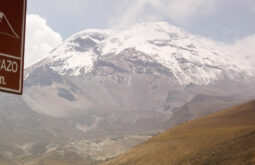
pixel 104 84
pixel 146 67
pixel 134 80
pixel 151 67
pixel 190 59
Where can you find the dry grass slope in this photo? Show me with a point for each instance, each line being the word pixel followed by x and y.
pixel 223 138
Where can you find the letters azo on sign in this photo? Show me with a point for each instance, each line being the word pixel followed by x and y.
pixel 12 37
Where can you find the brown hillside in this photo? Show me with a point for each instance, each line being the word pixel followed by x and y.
pixel 223 138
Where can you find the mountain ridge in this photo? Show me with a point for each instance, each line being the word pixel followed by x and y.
pixel 191 59
pixel 108 71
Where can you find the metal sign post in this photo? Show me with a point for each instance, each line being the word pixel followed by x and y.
pixel 12 42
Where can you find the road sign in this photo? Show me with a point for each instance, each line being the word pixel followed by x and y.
pixel 12 41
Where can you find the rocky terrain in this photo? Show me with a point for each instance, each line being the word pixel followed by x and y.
pixel 226 137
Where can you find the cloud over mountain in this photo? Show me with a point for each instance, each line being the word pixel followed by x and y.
pixel 243 51
pixel 40 39
pixel 154 10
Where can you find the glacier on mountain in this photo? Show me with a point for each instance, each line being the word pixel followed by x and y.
pixel 191 59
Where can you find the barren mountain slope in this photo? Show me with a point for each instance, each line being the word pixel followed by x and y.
pixel 226 137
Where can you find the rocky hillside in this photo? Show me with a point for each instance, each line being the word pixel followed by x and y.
pixel 226 137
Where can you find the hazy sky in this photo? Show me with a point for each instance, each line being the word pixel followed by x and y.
pixel 49 22
pixel 224 20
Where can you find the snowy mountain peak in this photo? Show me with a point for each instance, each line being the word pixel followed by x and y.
pixel 190 59
pixel 156 30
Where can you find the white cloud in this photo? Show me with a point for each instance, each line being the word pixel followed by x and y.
pixel 181 10
pixel 176 10
pixel 250 4
pixel 243 51
pixel 40 39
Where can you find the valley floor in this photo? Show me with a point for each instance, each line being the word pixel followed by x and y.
pixel 87 152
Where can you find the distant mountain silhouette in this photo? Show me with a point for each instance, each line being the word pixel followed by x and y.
pixel 6 28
